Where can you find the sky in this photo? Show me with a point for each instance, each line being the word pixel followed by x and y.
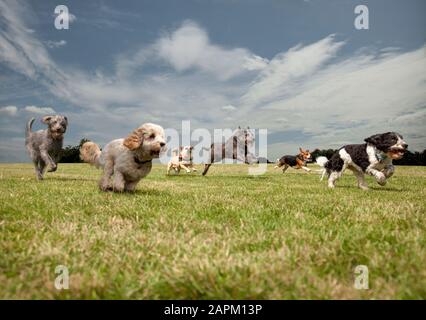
pixel 299 69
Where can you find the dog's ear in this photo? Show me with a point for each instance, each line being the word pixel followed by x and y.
pixel 46 119
pixel 300 149
pixel 374 139
pixel 66 120
pixel 191 147
pixel 135 139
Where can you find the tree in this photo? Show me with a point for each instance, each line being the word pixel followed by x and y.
pixel 71 154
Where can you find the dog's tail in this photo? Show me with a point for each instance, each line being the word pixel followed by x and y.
pixel 28 128
pixel 322 161
pixel 90 153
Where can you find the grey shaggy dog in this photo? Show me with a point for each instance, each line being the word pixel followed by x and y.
pixel 44 146
pixel 236 147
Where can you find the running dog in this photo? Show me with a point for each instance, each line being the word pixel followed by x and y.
pixel 374 157
pixel 182 159
pixel 236 147
pixel 296 162
pixel 126 161
pixel 45 146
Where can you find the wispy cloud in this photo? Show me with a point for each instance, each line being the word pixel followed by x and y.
pixel 55 44
pixel 325 96
pixel 39 110
pixel 345 101
pixel 189 48
pixel 9 110
pixel 71 18
pixel 229 107
pixel 284 73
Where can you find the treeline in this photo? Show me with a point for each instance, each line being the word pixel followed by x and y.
pixel 410 158
pixel 71 154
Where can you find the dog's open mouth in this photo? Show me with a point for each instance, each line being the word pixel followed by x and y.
pixel 397 153
pixel 57 133
pixel 155 153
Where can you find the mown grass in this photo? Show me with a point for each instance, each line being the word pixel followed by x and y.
pixel 227 235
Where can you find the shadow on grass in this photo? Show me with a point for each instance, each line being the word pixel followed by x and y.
pixel 137 192
pixel 150 192
pixel 229 176
pixel 371 188
pixel 52 178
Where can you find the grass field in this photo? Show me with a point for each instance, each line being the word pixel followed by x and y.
pixel 227 235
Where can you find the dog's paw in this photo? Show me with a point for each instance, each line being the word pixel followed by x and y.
pixel 381 178
pixel 105 187
pixel 52 169
pixel 389 171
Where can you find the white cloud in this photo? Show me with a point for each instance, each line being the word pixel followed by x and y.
pixel 71 18
pixel 9 110
pixel 229 108
pixel 347 100
pixel 284 71
pixel 55 44
pixel 39 110
pixel 189 47
pixel 314 89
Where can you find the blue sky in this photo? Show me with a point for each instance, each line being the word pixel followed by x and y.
pixel 298 68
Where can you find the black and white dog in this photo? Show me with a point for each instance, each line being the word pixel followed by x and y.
pixel 373 157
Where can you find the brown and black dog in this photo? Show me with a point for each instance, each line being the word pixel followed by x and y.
pixel 296 162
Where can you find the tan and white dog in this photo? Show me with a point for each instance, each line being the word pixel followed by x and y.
pixel 182 159
pixel 126 161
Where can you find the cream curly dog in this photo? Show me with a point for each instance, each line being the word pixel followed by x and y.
pixel 126 161
pixel 182 159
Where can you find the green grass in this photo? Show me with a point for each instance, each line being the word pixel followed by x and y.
pixel 227 235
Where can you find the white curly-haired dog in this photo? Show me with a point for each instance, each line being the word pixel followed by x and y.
pixel 374 157
pixel 126 161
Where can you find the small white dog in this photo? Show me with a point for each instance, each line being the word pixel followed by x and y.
pixel 182 159
pixel 126 161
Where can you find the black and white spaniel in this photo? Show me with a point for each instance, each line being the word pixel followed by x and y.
pixel 373 157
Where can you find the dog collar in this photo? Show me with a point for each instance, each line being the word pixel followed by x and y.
pixel 141 162
pixel 380 155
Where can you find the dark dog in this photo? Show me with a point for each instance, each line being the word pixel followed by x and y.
pixel 296 162
pixel 373 157
pixel 236 147
pixel 44 146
